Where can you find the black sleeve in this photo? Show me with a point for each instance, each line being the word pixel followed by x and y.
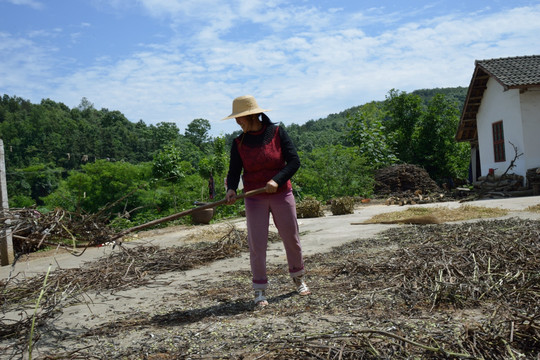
pixel 291 158
pixel 235 168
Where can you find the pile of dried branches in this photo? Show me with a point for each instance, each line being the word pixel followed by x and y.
pixel 32 230
pixel 484 260
pixel 395 297
pixel 491 184
pixel 533 176
pixel 127 268
pixel 468 266
pixel 404 178
pixel 359 344
pixel 407 184
pixel 410 198
pixel 440 291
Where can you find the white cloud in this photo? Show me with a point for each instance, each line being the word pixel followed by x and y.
pixel 45 33
pixel 188 8
pixel 24 66
pixel 31 3
pixel 303 62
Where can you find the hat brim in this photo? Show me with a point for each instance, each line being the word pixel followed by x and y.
pixel 247 112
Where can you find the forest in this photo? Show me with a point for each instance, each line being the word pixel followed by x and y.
pixel 85 160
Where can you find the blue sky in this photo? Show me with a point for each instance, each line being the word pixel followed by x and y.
pixel 175 61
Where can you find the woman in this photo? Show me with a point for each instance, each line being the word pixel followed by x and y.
pixel 265 157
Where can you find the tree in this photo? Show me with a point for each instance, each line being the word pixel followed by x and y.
pixel 34 182
pixel 215 163
pixel 367 132
pixel 85 104
pixel 168 165
pixel 197 132
pixel 164 133
pixel 323 132
pixel 334 171
pixel 97 185
pixel 403 111
pixel 434 143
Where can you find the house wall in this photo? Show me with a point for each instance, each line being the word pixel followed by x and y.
pixel 530 110
pixel 498 105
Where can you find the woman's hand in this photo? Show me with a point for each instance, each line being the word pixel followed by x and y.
pixel 271 186
pixel 230 197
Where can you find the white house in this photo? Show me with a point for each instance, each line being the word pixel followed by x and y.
pixel 501 114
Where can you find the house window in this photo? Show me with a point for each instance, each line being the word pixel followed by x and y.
pixel 498 142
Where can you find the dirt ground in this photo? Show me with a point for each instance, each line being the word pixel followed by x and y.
pixel 371 298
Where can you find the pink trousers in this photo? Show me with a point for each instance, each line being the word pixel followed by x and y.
pixel 283 208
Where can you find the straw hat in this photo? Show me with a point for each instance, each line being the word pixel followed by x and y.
pixel 244 105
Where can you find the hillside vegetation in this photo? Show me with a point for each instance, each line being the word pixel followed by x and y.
pixel 86 160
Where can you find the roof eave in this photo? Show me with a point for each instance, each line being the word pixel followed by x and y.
pixel 467 123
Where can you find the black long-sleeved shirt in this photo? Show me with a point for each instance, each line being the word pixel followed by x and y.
pixel 268 154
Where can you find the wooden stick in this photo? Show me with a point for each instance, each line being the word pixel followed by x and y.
pixel 184 213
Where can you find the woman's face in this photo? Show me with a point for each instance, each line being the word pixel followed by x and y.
pixel 247 123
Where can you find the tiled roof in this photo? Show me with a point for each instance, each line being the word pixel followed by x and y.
pixel 518 72
pixel 513 72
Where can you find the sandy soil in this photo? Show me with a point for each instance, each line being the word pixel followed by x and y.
pixel 207 312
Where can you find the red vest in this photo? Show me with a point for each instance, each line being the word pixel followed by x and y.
pixel 262 162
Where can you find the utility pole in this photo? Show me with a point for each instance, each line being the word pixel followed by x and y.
pixel 6 240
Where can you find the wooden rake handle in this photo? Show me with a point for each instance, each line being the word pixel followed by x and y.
pixel 184 213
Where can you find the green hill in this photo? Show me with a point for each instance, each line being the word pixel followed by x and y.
pixel 331 129
pixel 44 143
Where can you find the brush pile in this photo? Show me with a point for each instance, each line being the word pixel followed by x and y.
pixel 503 184
pixel 404 178
pixel 32 230
pixel 444 291
pixel 407 184
pixel 533 180
pixel 309 208
pixel 533 175
pixel 415 198
pixel 342 206
pixel 491 268
pixel 128 268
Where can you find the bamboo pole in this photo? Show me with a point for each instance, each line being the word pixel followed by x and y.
pixel 184 213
